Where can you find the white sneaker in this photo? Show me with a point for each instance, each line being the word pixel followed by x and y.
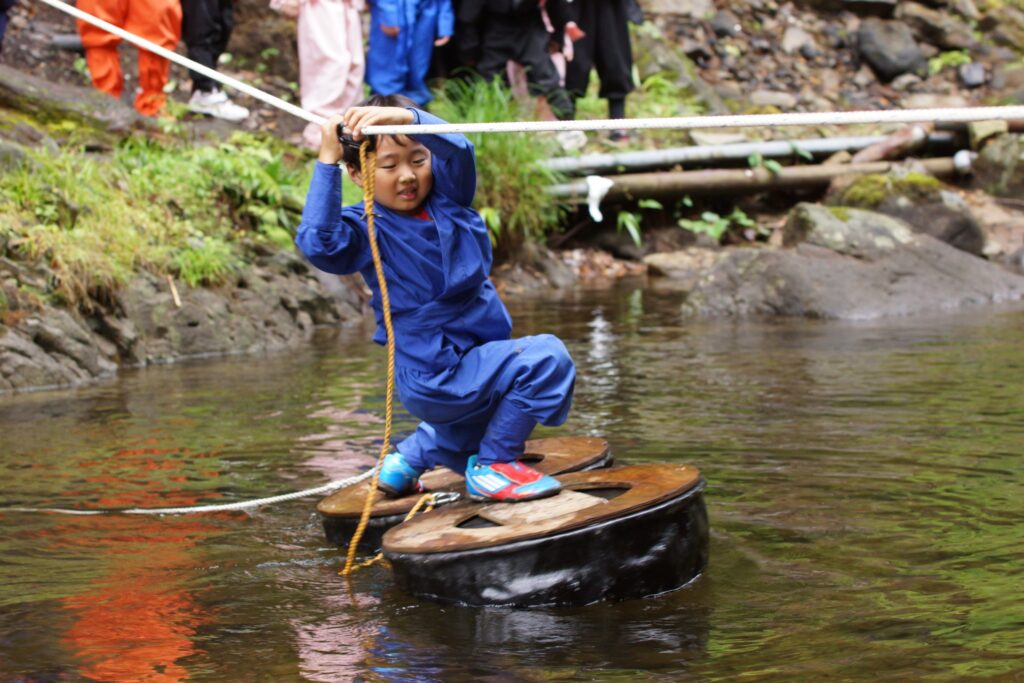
pixel 217 103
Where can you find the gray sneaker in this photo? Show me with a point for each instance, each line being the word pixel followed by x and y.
pixel 217 103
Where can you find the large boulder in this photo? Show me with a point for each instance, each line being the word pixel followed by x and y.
pixel 848 264
pixel 889 48
pixel 923 202
pixel 83 114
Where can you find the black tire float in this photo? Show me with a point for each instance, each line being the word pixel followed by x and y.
pixel 340 511
pixel 610 534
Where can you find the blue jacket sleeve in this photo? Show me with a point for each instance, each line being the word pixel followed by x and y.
pixel 387 12
pixel 454 160
pixel 445 19
pixel 330 241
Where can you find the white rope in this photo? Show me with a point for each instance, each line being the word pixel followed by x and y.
pixel 952 115
pixel 223 507
pixel 187 63
pixel 958 115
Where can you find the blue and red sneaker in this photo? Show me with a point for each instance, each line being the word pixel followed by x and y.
pixel 509 482
pixel 397 477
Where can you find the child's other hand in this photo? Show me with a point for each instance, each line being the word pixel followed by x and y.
pixel 358 118
pixel 390 31
pixel 330 145
pixel 443 40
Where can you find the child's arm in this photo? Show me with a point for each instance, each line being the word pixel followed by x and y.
pixel 331 243
pixel 454 160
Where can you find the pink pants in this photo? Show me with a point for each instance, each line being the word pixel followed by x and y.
pixel 331 63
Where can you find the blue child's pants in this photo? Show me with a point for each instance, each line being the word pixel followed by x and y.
pixel 488 403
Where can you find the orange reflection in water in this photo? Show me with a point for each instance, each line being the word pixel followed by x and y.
pixel 138 619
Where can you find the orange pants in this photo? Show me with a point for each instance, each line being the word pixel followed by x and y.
pixel 158 21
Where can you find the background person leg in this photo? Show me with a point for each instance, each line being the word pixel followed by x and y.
pixel 160 22
pixel 101 47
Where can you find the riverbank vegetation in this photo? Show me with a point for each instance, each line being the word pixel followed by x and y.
pixel 194 212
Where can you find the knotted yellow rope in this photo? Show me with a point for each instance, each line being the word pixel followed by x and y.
pixel 368 164
pixel 427 499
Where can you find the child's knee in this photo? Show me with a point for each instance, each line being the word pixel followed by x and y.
pixel 552 357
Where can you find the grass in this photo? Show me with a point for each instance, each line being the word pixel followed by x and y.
pixel 511 188
pixel 192 212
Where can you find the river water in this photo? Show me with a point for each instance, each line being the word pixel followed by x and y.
pixel 864 489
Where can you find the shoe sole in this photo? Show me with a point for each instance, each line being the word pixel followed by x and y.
pixel 391 492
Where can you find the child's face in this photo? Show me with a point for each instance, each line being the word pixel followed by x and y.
pixel 404 176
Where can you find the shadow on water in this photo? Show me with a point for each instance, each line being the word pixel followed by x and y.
pixel 863 484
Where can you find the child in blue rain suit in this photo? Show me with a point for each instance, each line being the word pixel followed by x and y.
pixel 478 391
pixel 403 34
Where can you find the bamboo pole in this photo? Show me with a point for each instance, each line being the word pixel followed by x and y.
pixel 639 185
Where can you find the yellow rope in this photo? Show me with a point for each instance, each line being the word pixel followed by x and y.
pixel 368 164
pixel 426 499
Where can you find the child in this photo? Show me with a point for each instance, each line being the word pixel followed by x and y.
pixel 403 34
pixel 158 21
pixel 331 64
pixel 478 391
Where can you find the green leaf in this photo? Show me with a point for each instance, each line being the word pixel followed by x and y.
pixel 773 166
pixel 630 222
pixel 650 204
pixel 801 152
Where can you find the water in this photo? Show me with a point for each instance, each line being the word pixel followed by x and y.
pixel 864 490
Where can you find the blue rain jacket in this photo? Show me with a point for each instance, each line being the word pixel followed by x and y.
pixel 399 65
pixel 457 367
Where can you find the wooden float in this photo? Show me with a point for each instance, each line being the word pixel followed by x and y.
pixel 610 534
pixel 341 510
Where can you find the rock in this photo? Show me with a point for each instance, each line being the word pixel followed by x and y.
pixel 933 101
pixel 889 47
pixel 864 77
pixel 972 75
pixel 105 117
pixel 725 24
pixel 11 156
pixel 848 264
pixel 905 82
pixel 270 307
pixel 794 39
pixel 999 168
pixel 1003 225
pixel 935 27
pixel 965 8
pixel 980 131
pixel 921 202
pixel 772 98
pixel 686 266
pixel 1004 25
pixel 876 8
pixel 656 55
pixel 697 9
